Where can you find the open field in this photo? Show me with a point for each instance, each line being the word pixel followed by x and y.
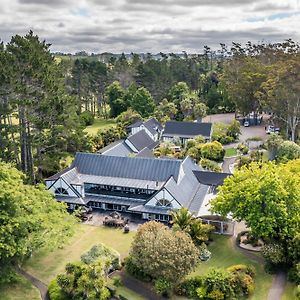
pixel 99 124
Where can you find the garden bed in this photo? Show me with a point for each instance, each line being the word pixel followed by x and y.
pixel 246 241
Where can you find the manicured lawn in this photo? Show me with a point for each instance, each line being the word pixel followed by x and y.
pixel 46 264
pixel 230 152
pixel 289 292
pixel 225 255
pixel 99 124
pixel 129 294
pixel 22 290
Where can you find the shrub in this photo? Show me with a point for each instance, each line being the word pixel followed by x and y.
pixel 294 274
pixel 235 282
pixel 87 118
pixel 242 148
pixel 189 287
pixel 210 165
pixel 273 253
pixel 288 150
pixel 297 292
pixel 162 287
pixel 205 254
pixel 103 252
pixel 216 295
pixel 249 270
pixel 55 292
pixel 213 151
pixel 117 281
pixel 136 272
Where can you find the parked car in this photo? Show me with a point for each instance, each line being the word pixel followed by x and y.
pixel 246 124
pixel 272 129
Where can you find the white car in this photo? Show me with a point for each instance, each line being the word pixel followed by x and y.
pixel 272 129
pixel 246 124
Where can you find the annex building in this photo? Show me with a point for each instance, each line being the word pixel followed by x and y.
pixel 149 188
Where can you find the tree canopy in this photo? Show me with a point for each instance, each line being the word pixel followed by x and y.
pixel 29 218
pixel 162 253
pixel 267 197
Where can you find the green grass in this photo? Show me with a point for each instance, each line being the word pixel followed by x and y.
pixel 289 292
pixel 230 152
pixel 46 264
pixel 129 294
pixel 21 290
pixel 225 255
pixel 99 124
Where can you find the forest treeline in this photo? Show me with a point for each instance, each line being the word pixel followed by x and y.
pixel 44 99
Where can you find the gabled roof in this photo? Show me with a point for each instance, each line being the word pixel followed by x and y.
pixel 211 178
pixel 141 139
pixel 127 167
pixel 187 129
pixel 146 152
pixel 116 149
pixel 136 124
pixel 153 125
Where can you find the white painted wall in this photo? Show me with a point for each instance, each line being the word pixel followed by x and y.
pixel 163 194
pixel 61 184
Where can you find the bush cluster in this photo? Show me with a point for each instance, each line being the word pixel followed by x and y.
pixel 226 134
pixel 102 252
pixel 87 118
pixel 235 282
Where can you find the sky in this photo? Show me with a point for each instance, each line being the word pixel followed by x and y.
pixel 150 26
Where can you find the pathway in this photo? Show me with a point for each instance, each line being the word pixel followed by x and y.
pixel 278 285
pixel 227 162
pixel 279 279
pixel 139 287
pixel 42 287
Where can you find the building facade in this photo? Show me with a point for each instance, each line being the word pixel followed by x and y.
pixel 148 188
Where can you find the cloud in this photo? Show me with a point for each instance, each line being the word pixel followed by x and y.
pixel 144 26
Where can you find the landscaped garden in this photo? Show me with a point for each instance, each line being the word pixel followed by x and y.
pixel 224 255
pixel 46 264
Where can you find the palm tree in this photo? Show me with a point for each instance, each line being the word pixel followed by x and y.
pixel 199 232
pixel 182 218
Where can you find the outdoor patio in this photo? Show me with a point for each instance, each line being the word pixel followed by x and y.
pixel 99 218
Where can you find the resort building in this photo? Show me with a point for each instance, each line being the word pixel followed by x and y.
pixel 149 188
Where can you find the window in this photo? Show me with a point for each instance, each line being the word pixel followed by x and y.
pixel 164 202
pixel 61 191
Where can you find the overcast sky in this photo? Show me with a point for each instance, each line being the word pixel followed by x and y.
pixel 149 26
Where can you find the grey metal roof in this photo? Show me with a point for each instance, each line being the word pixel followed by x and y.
pixel 150 209
pixel 187 129
pixel 153 123
pixel 153 169
pixel 146 152
pixel 122 182
pixel 188 191
pixel 141 139
pixel 211 178
pixel 114 200
pixel 59 174
pixel 136 124
pixel 119 149
pixel 72 200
